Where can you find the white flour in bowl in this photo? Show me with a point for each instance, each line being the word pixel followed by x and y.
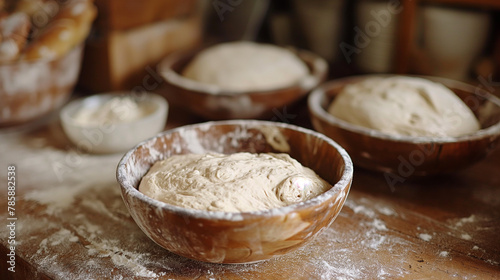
pixel 115 110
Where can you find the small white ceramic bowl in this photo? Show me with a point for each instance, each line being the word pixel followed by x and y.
pixel 114 137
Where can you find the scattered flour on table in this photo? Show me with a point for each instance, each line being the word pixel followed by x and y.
pixel 377 240
pixel 342 270
pixel 373 238
pixel 38 142
pixel 90 230
pixel 387 211
pixel 89 226
pixel 120 257
pixel 471 219
pixel 360 209
pixel 443 254
pixel 378 224
pixel 99 207
pixel 465 228
pixel 425 236
pixel 382 274
pixel 56 239
pixel 339 264
pixel 374 241
pixel 71 213
pixel 466 236
pixel 58 198
pixel 492 262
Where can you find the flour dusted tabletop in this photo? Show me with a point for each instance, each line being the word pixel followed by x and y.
pixel 72 224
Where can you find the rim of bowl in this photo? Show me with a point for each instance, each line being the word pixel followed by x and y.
pixel 317 73
pixel 67 112
pixel 316 96
pixel 339 186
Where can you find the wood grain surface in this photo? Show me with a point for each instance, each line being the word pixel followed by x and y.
pixel 72 223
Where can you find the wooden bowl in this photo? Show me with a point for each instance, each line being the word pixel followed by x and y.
pixel 407 156
pixel 212 103
pixel 32 89
pixel 223 237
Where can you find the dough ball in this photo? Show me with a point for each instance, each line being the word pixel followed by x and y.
pixel 246 66
pixel 240 182
pixel 404 106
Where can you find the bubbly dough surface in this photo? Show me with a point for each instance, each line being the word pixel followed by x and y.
pixel 245 66
pixel 404 106
pixel 240 182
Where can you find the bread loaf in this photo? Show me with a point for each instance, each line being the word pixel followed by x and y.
pixel 68 28
pixel 14 31
pixel 121 60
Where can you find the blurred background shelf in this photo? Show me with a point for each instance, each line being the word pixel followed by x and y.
pixel 408 23
pixel 490 4
pixel 328 28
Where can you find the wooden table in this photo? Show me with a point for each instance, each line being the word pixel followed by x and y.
pixel 72 223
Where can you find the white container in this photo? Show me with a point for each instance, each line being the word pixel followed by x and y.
pixel 114 137
pixel 321 23
pixel 453 38
pixel 378 23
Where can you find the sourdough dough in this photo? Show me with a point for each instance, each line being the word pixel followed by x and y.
pixel 404 106
pixel 246 66
pixel 240 182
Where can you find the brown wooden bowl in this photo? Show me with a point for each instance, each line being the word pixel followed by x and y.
pixel 213 103
pixel 407 156
pixel 223 237
pixel 32 89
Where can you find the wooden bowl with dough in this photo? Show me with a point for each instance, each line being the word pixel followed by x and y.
pixel 30 90
pixel 407 156
pixel 243 237
pixel 213 103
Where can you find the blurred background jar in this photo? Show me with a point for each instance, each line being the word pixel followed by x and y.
pixel 453 38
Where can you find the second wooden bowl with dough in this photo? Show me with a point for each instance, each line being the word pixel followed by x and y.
pixel 222 237
pixel 216 104
pixel 407 156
